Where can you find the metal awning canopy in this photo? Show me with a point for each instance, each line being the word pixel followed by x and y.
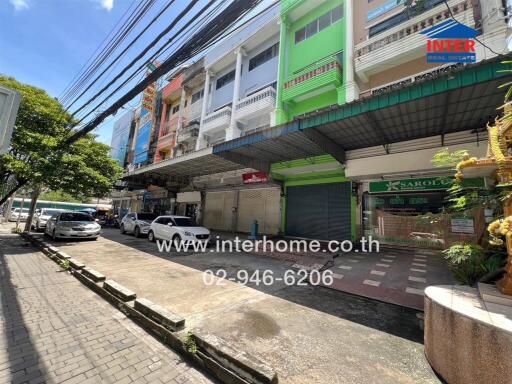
pixel 178 171
pixel 463 99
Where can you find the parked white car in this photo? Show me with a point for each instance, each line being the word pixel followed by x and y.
pixel 41 216
pixel 72 225
pixel 21 212
pixel 137 223
pixel 177 229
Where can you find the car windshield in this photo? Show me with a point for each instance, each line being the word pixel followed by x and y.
pixel 23 210
pixel 146 216
pixel 76 216
pixel 49 212
pixel 184 222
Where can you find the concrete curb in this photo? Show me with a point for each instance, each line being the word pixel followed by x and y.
pixel 212 354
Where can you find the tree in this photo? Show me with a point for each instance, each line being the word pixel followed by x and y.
pixel 36 158
pixel 413 7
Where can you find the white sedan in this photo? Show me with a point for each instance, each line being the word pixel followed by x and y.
pixel 21 212
pixel 177 229
pixel 72 225
pixel 41 216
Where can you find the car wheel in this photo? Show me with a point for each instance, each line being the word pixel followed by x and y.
pixel 54 236
pixel 151 236
pixel 176 239
pixel 136 232
pixel 121 228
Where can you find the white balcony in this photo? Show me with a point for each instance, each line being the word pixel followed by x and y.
pixel 188 134
pixel 194 110
pixel 216 121
pixel 259 103
pixel 404 42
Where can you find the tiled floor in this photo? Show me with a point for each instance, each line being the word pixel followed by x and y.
pixel 397 276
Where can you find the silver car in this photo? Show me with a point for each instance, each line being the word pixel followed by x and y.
pixel 41 216
pixel 75 225
pixel 137 223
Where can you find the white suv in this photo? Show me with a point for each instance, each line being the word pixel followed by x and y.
pixel 137 223
pixel 177 229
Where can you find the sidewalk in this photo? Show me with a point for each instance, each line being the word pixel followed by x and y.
pixel 54 330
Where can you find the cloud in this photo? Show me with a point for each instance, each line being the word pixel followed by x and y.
pixel 106 4
pixel 20 5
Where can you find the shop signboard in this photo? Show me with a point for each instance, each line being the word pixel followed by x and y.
pixel 420 184
pixel 255 177
pixel 463 225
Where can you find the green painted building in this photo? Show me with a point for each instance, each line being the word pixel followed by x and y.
pixel 311 57
pixel 317 201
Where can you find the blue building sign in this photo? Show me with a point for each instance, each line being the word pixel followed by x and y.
pixel 143 137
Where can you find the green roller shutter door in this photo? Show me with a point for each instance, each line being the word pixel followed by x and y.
pixel 321 211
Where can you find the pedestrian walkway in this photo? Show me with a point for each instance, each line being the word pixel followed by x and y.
pixel 397 276
pixel 54 330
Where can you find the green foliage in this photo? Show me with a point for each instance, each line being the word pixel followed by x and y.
pixel 62 196
pixel 16 230
pixel 470 262
pixel 466 261
pixel 190 343
pixel 445 158
pixel 83 169
pixel 64 264
pixel 413 7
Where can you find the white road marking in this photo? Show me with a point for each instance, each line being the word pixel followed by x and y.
pixel 419 265
pixel 345 267
pixel 418 279
pixel 415 291
pixel 378 273
pixel 418 270
pixel 372 282
pixel 382 265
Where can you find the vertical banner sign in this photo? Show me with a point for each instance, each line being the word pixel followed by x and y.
pixel 147 121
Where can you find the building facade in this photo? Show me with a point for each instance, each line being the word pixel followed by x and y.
pixel 311 107
pixel 122 135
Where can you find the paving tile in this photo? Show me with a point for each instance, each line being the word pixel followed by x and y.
pixel 382 265
pixel 418 270
pixel 415 291
pixel 417 279
pixel 378 273
pixel 346 267
pixel 371 282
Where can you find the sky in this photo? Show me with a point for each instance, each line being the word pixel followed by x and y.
pixel 46 42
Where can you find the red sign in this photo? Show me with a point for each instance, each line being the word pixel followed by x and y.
pixel 255 177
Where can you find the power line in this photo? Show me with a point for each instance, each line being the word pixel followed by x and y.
pixel 124 51
pixel 230 15
pixel 137 14
pixel 476 38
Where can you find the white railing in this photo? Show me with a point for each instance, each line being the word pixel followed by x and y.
pixel 226 111
pixel 266 93
pixel 187 133
pixel 194 110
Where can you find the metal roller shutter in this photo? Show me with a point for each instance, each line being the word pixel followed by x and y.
pixel 218 210
pixel 262 205
pixel 320 211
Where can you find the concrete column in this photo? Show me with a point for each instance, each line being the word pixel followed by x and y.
pixel 280 114
pixel 349 86
pixel 180 118
pixel 233 132
pixel 201 140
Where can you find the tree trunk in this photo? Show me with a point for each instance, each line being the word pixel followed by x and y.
pixel 13 191
pixel 19 213
pixel 33 201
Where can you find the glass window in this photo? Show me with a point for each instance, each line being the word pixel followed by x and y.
pixel 75 216
pixel 197 96
pixel 184 222
pixel 300 35
pixel 312 29
pixel 264 56
pixel 146 216
pixel 49 212
pixel 226 79
pixel 337 13
pixel 175 109
pixel 324 21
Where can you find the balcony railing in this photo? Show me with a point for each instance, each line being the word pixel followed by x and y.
pixel 316 75
pixel 402 37
pixel 217 120
pixel 260 102
pixel 169 126
pixel 194 110
pixel 188 133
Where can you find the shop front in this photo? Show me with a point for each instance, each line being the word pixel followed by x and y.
pixel 413 213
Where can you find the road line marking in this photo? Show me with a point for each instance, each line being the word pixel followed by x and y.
pixel 382 265
pixel 415 291
pixel 337 276
pixel 372 282
pixel 345 267
pixel 387 260
pixel 418 270
pixel 353 261
pixel 419 265
pixel 418 279
pixel 378 273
